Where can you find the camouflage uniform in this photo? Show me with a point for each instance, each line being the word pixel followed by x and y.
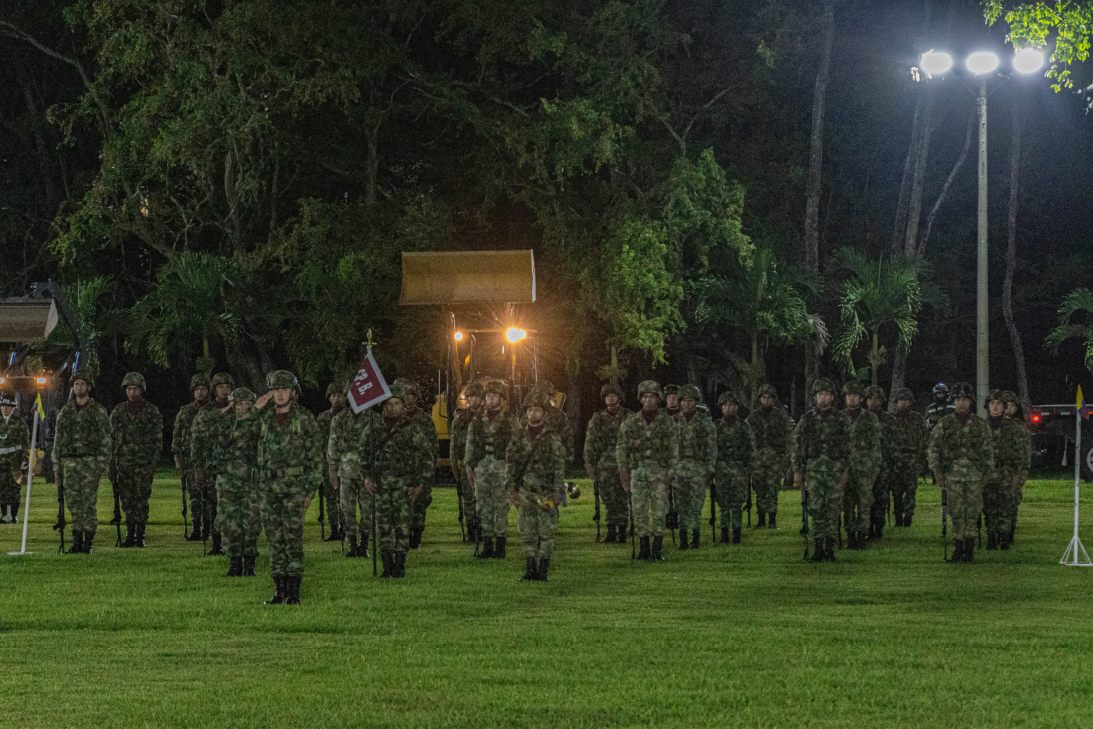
pixel 137 433
pixel 648 451
pixel 865 464
pixel 457 448
pixel 771 427
pixel 906 445
pixel 14 450
pixel 209 428
pixel 403 459
pixel 601 438
pixel 555 417
pixel 937 410
pixel 81 452
pixel 961 453
pixel 487 443
pixel 1010 397
pixel 536 480
pixel 344 461
pixel 239 512
pixel 180 447
pixel 1011 463
pixel 881 486
pixel 735 452
pixel 333 507
pixel 422 420
pixel 695 468
pixel 820 453
pixel 289 468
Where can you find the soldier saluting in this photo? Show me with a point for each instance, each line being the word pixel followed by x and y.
pixel 81 453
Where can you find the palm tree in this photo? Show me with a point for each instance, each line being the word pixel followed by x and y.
pixel 877 295
pixel 1078 303
pixel 95 320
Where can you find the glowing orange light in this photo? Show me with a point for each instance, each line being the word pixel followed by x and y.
pixel 458 336
pixel 515 334
pixel 40 381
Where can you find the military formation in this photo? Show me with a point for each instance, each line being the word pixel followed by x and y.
pixel 250 463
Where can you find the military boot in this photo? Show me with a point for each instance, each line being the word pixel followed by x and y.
pixel 88 538
pixel 292 589
pixel 694 538
pixel 399 560
pixel 969 550
pixel 897 508
pixel 415 537
pixel 544 569
pixel 762 520
pixel 736 535
pixel 817 551
pixel 683 544
pixel 235 567
pixel 352 551
pixel 388 566
pixel 139 541
pixel 1003 541
pixel 15 511
pixel 500 552
pixel 487 548
pixel 829 549
pixel 195 533
pixel 958 551
pixel 217 545
pixel 278 591
pixel 724 535
pixel 657 552
pixel 130 537
pixel 335 533
pixel 77 543
pixel 362 550
pixel 907 518
pixel 248 566
pixel 530 570
pixel 643 551
pixel 612 531
pixel 773 520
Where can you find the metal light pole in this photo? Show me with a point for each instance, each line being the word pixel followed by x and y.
pixel 982 321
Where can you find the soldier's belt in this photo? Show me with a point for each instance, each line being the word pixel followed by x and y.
pixel 285 472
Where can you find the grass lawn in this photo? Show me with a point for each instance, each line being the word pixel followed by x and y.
pixel 725 636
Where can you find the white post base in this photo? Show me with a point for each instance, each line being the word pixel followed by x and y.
pixel 1075 555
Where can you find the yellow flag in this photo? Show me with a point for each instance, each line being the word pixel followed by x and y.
pixel 42 410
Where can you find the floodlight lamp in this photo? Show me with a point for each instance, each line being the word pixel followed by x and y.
pixel 1028 60
pixel 41 381
pixel 458 336
pixel 935 63
pixel 515 334
pixel 982 62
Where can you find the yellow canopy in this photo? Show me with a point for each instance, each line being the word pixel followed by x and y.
pixel 468 277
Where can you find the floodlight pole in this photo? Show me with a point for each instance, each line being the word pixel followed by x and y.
pixel 982 334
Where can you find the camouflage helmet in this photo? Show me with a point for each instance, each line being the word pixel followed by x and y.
pixel 495 387
pixel 134 378
pixel 333 389
pixel 6 398
pixel 1009 396
pixel 962 389
pixel 996 394
pixel 903 393
pixel 473 389
pixel 83 375
pixel 241 394
pixel 727 396
pixel 536 399
pixel 690 392
pixel 671 390
pixel 198 380
pixel 875 391
pixel 222 378
pixel 280 379
pixel 543 386
pixel 767 389
pixel 822 384
pixel 850 387
pixel 942 388
pixel 610 389
pixel 409 387
pixel 650 386
pixel 398 392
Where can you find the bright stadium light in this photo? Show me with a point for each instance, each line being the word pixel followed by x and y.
pixel 982 62
pixel 1028 60
pixel 935 63
pixel 515 334
pixel 458 336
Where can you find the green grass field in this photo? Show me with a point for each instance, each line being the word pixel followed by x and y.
pixel 726 636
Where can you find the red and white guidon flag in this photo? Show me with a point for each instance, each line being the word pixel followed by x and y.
pixel 368 386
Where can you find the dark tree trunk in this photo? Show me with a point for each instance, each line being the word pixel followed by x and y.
pixel 920 249
pixel 1011 254
pixel 816 151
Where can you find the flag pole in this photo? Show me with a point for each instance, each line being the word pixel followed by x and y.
pixel 30 482
pixel 1075 555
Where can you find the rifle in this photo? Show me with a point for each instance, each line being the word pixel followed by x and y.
pixel 713 513
pixel 459 498
pixel 204 512
pixel 322 509
pixel 60 525
pixel 747 504
pixel 671 519
pixel 117 506
pixel 596 514
pixel 804 517
pixel 944 524
pixel 633 547
pixel 185 515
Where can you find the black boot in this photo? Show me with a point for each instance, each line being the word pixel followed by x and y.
pixel 415 537
pixel 694 538
pixel 736 535
pixel 139 541
pixel 829 549
pixel 657 552
pixel 278 591
pixel 611 531
pixel 683 539
pixel 544 569
pixel 958 551
pixel 388 564
pixel 773 520
pixel 292 589
pixel 248 566
pixel 500 552
pixel 362 549
pixel 130 537
pixel 969 550
pixel 487 548
pixel 399 560
pixel 762 520
pixel 907 518
pixel 531 571
pixel 817 551
pixel 352 551
pixel 897 508
pixel 195 534
pixel 88 538
pixel 644 553
pixel 335 534
pixel 15 512
pixel 235 567
pixel 217 547
pixel 1003 541
pixel 77 543
pixel 724 535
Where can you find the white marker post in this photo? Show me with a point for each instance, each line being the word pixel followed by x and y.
pixel 1075 555
pixel 30 482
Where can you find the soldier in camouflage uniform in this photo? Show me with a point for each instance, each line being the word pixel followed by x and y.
pixel 81 453
pixel 601 438
pixel 180 446
pixel 735 451
pixel 14 448
pixel 487 444
pixel 347 477
pixel 457 449
pixel 671 400
pixel 536 481
pixel 422 419
pixel 820 456
pixel 336 397
pixel 1014 410
pixel 874 401
pixel 771 427
pixel 136 427
pixel 403 460
pixel 209 428
pixel 290 466
pixel 865 465
pixel 555 417
pixel 940 407
pixel 647 454
pixel 1011 463
pixel 907 448
pixel 961 456
pixel 1013 405
pixel 695 468
pixel 238 498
